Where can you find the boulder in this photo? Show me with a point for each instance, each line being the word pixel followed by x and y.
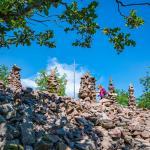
pixel 27 133
pixel 13 132
pixel 115 133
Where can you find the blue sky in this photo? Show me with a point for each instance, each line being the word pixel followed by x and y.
pixel 101 59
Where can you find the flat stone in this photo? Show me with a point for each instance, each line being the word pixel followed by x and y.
pixel 3 129
pixel 108 125
pixel 145 134
pixel 43 145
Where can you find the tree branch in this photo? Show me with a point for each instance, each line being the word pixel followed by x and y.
pixel 132 4
pixel 44 22
pixel 39 21
pixel 65 4
pixel 50 16
pixel 118 6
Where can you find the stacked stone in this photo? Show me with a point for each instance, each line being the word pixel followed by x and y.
pixel 111 91
pixel 87 89
pixel 132 100
pixel 53 85
pixel 14 81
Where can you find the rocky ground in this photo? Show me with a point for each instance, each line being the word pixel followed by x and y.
pixel 41 121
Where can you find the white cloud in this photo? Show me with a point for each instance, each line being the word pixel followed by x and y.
pixel 68 69
pixel 28 83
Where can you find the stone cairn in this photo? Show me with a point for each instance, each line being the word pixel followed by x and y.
pixel 14 81
pixel 87 90
pixel 53 85
pixel 111 91
pixel 132 100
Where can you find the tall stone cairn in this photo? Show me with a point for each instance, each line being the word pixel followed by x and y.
pixel 14 81
pixel 53 85
pixel 132 100
pixel 112 95
pixel 87 89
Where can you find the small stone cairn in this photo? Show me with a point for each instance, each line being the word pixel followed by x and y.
pixel 14 81
pixel 87 90
pixel 111 91
pixel 132 100
pixel 53 85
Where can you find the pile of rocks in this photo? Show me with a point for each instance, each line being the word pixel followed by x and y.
pixel 126 126
pixel 132 100
pixel 46 121
pixel 53 86
pixel 14 79
pixel 87 90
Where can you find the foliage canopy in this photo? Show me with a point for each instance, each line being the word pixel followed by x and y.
pixel 144 100
pixel 18 18
pixel 4 72
pixel 122 97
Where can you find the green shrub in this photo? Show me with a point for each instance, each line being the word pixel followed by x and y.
pixel 4 72
pixel 144 101
pixel 122 97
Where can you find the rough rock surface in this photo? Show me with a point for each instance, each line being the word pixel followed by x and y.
pixel 44 121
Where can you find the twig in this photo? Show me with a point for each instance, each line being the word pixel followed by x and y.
pixel 133 4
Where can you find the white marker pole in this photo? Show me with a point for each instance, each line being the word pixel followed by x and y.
pixel 74 79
